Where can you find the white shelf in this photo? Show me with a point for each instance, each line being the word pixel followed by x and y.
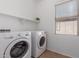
pixel 30 20
pixel 21 18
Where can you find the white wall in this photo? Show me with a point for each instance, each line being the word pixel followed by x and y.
pixel 19 8
pixel 16 24
pixel 64 44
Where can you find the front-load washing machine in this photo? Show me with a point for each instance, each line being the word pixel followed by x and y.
pixel 15 45
pixel 38 43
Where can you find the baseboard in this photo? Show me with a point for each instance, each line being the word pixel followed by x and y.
pixel 60 53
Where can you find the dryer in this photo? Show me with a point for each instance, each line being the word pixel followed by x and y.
pixel 38 43
pixel 15 45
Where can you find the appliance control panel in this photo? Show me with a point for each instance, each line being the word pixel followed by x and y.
pixel 23 34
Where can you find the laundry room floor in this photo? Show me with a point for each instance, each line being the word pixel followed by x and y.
pixel 49 54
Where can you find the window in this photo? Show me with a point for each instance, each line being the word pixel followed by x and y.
pixel 67 17
pixel 66 27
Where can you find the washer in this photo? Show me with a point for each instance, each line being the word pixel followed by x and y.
pixel 38 43
pixel 15 45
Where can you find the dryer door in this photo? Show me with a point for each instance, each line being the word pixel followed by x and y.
pixel 17 48
pixel 42 42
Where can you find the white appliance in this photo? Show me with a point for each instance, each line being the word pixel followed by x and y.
pixel 15 45
pixel 38 43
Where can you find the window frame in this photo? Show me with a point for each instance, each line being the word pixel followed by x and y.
pixel 74 18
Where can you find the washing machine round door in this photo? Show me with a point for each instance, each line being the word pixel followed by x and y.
pixel 17 48
pixel 42 42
